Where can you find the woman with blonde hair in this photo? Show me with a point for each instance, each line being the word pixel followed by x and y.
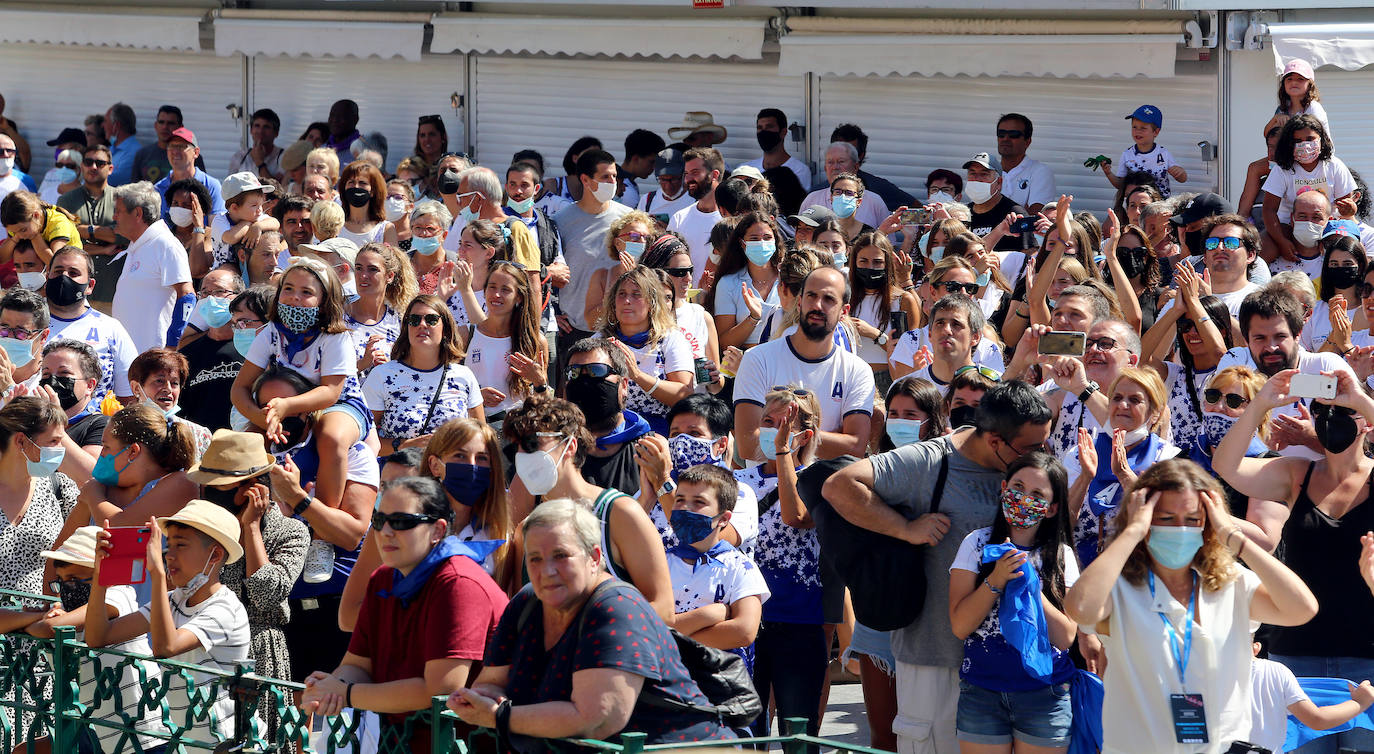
pixel 385 284
pixel 639 321
pixel 626 241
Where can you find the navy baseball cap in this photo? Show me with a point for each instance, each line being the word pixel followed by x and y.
pixel 668 162
pixel 1147 114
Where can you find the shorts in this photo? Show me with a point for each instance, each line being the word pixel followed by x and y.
pixel 1043 717
pixel 876 645
pixel 357 411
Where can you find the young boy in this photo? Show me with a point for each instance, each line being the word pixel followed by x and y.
pixel 340 254
pixel 243 220
pixel 1145 154
pixel 718 592
pixel 1275 694
pixel 699 428
pixel 198 622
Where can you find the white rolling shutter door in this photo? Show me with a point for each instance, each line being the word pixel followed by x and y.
pixel 391 95
pixel 64 85
pixel 1349 108
pixel 916 125
pixel 545 104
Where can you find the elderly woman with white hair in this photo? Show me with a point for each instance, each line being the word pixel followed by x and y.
pixel 609 647
pixel 429 223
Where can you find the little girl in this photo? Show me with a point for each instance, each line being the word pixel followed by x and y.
pixel 1002 705
pixel 481 243
pixel 307 334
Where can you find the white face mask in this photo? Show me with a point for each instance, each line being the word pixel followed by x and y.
pixel 6 165
pixel 941 197
pixel 180 216
pixel 395 208
pixel 604 192
pixel 200 579
pixel 1133 436
pixel 1307 234
pixel 539 470
pixel 978 191
pixel 32 281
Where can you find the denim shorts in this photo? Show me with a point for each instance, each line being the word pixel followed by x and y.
pixel 1043 717
pixel 357 411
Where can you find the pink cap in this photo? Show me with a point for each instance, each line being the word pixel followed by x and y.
pixel 185 135
pixel 1300 67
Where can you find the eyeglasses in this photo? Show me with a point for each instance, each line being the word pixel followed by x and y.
pixel 844 192
pixel 91 162
pixel 1233 400
pixel 66 165
pixel 1010 133
pixel 679 272
pixel 632 236
pixel 1135 251
pixel 56 584
pixel 595 371
pixel 798 391
pixel 400 521
pixel 952 287
pixel 7 152
pixel 246 324
pixel 1101 344
pixel 19 333
pixel 987 372
pixel 1186 326
pixel 1231 243
pixel 414 320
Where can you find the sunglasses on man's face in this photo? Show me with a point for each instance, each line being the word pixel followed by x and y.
pixel 415 320
pixel 1233 400
pixel 596 371
pixel 1231 243
pixel 952 287
pixel 400 521
pixel 1010 133
pixel 93 163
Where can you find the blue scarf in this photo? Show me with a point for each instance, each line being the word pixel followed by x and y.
pixel 1087 713
pixel 632 427
pixel 1323 692
pixel 633 341
pixel 698 558
pixel 1023 617
pixel 295 342
pixel 1104 492
pixel 407 588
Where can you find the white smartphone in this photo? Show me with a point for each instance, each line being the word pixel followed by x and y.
pixel 1312 386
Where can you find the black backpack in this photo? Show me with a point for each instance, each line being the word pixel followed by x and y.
pixel 886 576
pixel 721 675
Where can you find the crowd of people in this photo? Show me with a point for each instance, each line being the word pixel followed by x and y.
pixel 480 431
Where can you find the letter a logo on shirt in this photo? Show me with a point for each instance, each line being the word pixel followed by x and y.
pixel 837 392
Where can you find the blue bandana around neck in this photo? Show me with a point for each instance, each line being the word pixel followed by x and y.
pixel 407 588
pixel 632 427
pixel 698 558
pixel 1104 484
pixel 294 342
pixel 633 341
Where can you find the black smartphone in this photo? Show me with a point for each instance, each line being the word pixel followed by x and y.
pixel 898 320
pixel 1024 225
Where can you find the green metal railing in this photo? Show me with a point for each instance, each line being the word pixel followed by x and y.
pixel 62 690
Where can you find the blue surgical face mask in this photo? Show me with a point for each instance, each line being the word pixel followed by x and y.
pixel 426 246
pixel 521 207
pixel 759 252
pixel 215 310
pixel 104 470
pixel 635 249
pixel 840 258
pixel 904 431
pixel 844 206
pixel 468 215
pixel 690 526
pixel 983 278
pixel 19 351
pixel 1174 546
pixel 243 340
pixel 466 482
pixel 48 460
pixel 936 254
pixel 64 175
pixel 768 442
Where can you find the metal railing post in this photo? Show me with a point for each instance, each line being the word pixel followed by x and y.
pixel 65 678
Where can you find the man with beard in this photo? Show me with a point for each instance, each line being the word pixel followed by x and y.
pixel 671 195
pixel 1079 399
pixel 703 170
pixel 70 281
pixel 808 359
pixel 956 327
pixel 93 205
pixel 293 213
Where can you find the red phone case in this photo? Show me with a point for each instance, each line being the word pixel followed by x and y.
pixel 126 561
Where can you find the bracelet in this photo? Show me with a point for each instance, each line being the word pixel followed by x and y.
pixel 992 588
pixel 1243 539
pixel 502 719
pixel 1203 318
pixel 302 505
pixel 652 388
pixel 1348 350
pixel 348 694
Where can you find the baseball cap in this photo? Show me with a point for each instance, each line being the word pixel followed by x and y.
pixel 986 160
pixel 69 136
pixel 669 162
pixel 813 216
pixel 1342 228
pixel 1300 67
pixel 240 182
pixel 336 245
pixel 1200 206
pixel 1147 114
pixel 747 171
pixel 185 135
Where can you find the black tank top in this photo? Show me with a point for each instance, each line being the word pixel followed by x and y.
pixel 1324 552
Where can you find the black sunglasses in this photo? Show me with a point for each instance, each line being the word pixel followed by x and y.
pixel 430 119
pixel 679 272
pixel 952 287
pixel 1327 408
pixel 1233 400
pixel 414 320
pixel 1135 251
pixel 800 391
pixel 1010 133
pixel 598 371
pixel 93 163
pixel 400 521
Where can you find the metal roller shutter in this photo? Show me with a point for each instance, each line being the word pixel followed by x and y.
pixel 916 125
pixel 543 104
pixel 76 82
pixel 1345 95
pixel 391 95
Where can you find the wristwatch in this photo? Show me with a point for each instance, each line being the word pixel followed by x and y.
pixel 302 505
pixel 881 339
pixel 540 388
pixel 668 488
pixel 1088 391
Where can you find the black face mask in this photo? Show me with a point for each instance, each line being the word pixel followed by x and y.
pixel 74 594
pixel 1336 430
pixel 598 398
pixel 448 182
pixel 1193 239
pixel 63 291
pixel 221 497
pixel 65 387
pixel 870 279
pixel 294 427
pixel 1131 264
pixel 962 416
pixel 1340 277
pixel 769 140
pixel 357 197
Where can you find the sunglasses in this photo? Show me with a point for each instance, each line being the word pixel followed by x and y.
pixel 400 521
pixel 1010 133
pixel 679 272
pixel 66 165
pixel 987 372
pixel 415 320
pixel 1232 243
pixel 595 371
pixel 799 391
pixel 430 119
pixel 1326 408
pixel 1135 251
pixel 1101 344
pixel 93 163
pixel 1233 400
pixel 56 584
pixel 952 287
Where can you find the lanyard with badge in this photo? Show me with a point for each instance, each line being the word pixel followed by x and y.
pixel 1190 719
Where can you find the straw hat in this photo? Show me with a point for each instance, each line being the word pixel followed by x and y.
pixel 695 122
pixel 231 458
pixel 294 156
pixel 78 549
pixel 214 521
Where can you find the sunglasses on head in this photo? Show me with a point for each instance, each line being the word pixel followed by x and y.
pixel 799 391
pixel 952 287
pixel 1233 400
pixel 678 272
pixel 414 320
pixel 987 372
pixel 595 371
pixel 1231 243
pixel 400 521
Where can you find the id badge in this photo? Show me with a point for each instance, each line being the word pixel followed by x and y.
pixel 1190 719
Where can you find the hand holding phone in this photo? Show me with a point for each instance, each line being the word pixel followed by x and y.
pixel 1063 343
pixel 918 216
pixel 1312 386
pixel 126 561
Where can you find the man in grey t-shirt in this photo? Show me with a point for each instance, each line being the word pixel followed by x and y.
pixel 890 493
pixel 583 227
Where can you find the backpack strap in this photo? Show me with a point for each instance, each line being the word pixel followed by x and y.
pixel 940 477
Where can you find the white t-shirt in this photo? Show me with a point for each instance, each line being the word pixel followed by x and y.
pixel 1232 299
pixel 695 227
pixel 986 354
pixel 219 250
pixel 243 161
pixel 1331 176
pixel 745 519
pixel 655 203
pixel 1312 268
pixel 111 342
pixel 1273 689
pixel 802 171
pixel 487 358
pixel 730 300
pixel 1318 326
pixel 376 235
pixel 1029 183
pixel 329 355
pixel 727 580
pixel 125 602
pixel 872 210
pixel 459 310
pixel 1156 162
pixel 403 396
pixel 841 381
pixel 867 311
pixel 1308 363
pixel 691 319
pixel 671 354
pixel 144 298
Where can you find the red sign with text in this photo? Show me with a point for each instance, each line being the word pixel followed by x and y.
pixel 708 3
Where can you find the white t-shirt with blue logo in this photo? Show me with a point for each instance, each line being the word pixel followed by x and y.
pixel 1156 162
pixel 729 578
pixel 842 382
pixel 111 342
pixel 404 394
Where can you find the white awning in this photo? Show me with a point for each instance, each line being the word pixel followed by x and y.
pixel 1346 46
pixel 319 38
pixel 165 29
pixel 629 37
pixel 1059 56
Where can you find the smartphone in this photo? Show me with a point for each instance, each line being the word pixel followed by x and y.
pixel 703 373
pixel 126 562
pixel 898 322
pixel 1024 225
pixel 1063 343
pixel 662 219
pixel 918 216
pixel 1312 386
